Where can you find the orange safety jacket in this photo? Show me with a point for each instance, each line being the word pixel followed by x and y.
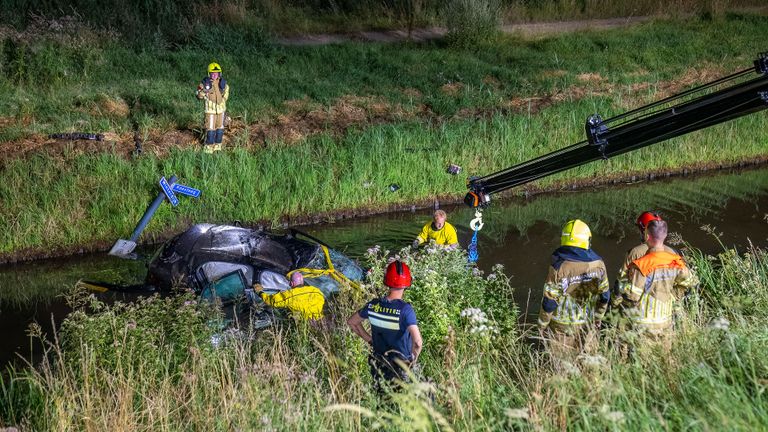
pixel 656 282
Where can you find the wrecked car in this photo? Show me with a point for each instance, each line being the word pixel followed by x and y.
pixel 224 262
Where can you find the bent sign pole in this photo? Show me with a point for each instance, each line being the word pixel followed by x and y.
pixel 123 248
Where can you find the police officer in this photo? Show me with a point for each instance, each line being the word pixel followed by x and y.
pixel 214 90
pixel 395 336
pixel 576 292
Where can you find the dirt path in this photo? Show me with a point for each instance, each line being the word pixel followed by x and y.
pixel 431 33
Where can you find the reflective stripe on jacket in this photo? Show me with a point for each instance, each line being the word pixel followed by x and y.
pixel 636 252
pixel 216 96
pixel 578 292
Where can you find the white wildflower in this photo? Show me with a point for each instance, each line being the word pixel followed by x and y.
pixel 569 368
pixel 595 361
pixel 518 413
pixel 720 323
pixel 216 340
pixel 611 416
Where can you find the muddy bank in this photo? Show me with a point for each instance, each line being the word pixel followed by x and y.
pixel 526 191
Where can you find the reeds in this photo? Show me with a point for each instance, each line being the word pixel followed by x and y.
pixel 151 366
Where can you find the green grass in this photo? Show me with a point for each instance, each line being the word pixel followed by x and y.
pixel 151 366
pixel 60 87
pixel 606 210
pixel 80 199
pixel 176 22
pixel 88 198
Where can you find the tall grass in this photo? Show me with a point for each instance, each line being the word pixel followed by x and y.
pixel 320 175
pixel 175 22
pixel 60 84
pixel 118 89
pixel 152 366
pixel 472 23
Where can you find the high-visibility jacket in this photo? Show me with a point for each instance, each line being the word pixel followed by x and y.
pixel 443 236
pixel 307 301
pixel 575 291
pixel 215 93
pixel 636 252
pixel 655 284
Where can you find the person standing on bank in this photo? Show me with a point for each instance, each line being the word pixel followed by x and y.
pixel 214 90
pixel 395 336
pixel 576 293
pixel 640 250
pixel 654 287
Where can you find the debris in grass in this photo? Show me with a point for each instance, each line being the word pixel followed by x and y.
pixel 72 136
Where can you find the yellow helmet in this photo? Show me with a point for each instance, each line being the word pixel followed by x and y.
pixel 576 233
pixel 214 67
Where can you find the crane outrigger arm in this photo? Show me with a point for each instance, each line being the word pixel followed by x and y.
pixel 719 101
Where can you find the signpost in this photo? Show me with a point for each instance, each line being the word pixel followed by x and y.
pixel 186 190
pixel 124 248
pixel 169 192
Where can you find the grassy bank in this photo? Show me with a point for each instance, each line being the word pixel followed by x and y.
pixel 117 368
pixel 410 110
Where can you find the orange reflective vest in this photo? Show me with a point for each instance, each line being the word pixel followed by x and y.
pixel 657 281
pixel 657 260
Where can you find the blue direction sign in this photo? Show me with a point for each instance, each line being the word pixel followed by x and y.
pixel 186 190
pixel 168 192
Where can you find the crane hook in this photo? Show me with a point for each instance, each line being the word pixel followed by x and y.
pixel 477 223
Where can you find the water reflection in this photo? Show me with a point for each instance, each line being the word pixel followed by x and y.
pixel 519 233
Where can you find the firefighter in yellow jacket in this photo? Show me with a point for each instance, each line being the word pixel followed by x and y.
pixel 305 300
pixel 439 230
pixel 576 292
pixel 654 285
pixel 214 90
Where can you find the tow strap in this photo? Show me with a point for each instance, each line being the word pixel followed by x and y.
pixel 476 225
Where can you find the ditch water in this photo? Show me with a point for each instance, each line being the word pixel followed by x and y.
pixel 519 233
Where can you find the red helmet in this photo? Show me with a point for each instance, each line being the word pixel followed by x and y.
pixel 644 219
pixel 398 275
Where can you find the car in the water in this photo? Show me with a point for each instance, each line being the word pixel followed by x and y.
pixel 224 262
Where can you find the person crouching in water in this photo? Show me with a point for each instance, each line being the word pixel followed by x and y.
pixel 395 336
pixel 576 293
pixel 654 287
pixel 439 230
